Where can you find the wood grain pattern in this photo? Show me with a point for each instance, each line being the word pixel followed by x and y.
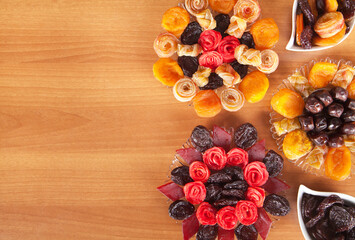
pixel 87 133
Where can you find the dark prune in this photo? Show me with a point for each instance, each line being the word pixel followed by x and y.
pixel 322 231
pixel 247 39
pixel 201 138
pixel 214 82
pixel 207 232
pixel 335 141
pixel 350 104
pixel 320 6
pixel 339 93
pixel 181 175
pixel 245 136
pixel 320 122
pixel 318 138
pixel 222 21
pixel 191 34
pixel 306 123
pixel 348 115
pixel 306 37
pixel 339 236
pixel 189 65
pixel 235 172
pixel 240 185
pixel 219 177
pixel 324 96
pixel 181 210
pixel 351 210
pixel 334 123
pixel 335 110
pixel 213 192
pixel 223 202
pixel 274 163
pixel 243 232
pixel 309 205
pixel 307 12
pixel 348 128
pixel 276 205
pixel 347 8
pixel 241 69
pixel 313 105
pixel 351 234
pixel 233 193
pixel 341 219
pixel 330 201
pixel 314 220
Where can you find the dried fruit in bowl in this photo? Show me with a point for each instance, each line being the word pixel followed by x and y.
pixel 296 144
pixel 321 74
pixel 167 71
pixel 323 42
pixel 207 103
pixel 265 33
pixel 254 86
pixel 287 103
pixel 175 20
pixel 299 28
pixel 338 163
pixel 222 6
pixel 329 24
pixel 331 5
pixel 351 89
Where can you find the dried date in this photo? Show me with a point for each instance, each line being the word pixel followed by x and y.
pixel 306 37
pixel 307 12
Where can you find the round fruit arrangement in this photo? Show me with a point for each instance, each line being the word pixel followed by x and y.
pixel 314 118
pixel 205 54
pixel 219 185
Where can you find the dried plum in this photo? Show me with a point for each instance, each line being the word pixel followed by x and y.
pixel 223 202
pixel 314 220
pixel 307 12
pixel 245 136
pixel 207 232
pixel 339 236
pixel 189 65
pixel 241 69
pixel 219 177
pixel 341 219
pixel 240 185
pixel 233 193
pixel 351 234
pixel 306 37
pixel 235 172
pixel 247 39
pixel 191 34
pixel 320 6
pixel 243 232
pixel 330 201
pixel 181 210
pixel 223 21
pixel 201 138
pixel 214 82
pixel 309 205
pixel 274 163
pixel 213 192
pixel 181 175
pixel 347 8
pixel 351 210
pixel 322 231
pixel 276 205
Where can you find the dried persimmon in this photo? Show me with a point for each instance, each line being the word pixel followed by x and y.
pixel 265 33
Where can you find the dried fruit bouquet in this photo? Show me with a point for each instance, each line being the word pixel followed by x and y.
pixel 219 185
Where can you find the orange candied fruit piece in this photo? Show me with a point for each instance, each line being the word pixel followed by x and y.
pixel 254 86
pixel 299 28
pixel 207 103
pixel 265 33
pixel 321 74
pixel 167 71
pixel 296 144
pixel 323 42
pixel 222 6
pixel 175 20
pixel 331 5
pixel 287 103
pixel 338 163
pixel 351 89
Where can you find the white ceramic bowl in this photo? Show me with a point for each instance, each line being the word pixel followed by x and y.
pixel 303 189
pixel 291 46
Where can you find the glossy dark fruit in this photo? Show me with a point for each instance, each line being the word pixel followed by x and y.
pixel 341 219
pixel 322 231
pixel 274 163
pixel 348 128
pixel 314 220
pixel 339 93
pixel 235 172
pixel 339 236
pixel 201 138
pixel 320 122
pixel 334 123
pixel 318 138
pixel 245 136
pixel 347 8
pixel 309 205
pixel 214 82
pixel 243 232
pixel 307 12
pixel 276 205
pixel 189 65
pixel 320 6
pixel 191 34
pixel 348 115
pixel 335 141
pixel 207 232
pixel 350 104
pixel 181 210
pixel 240 185
pixel 233 193
pixel 329 201
pixel 306 123
pixel 351 210
pixel 324 96
pixel 223 202
pixel 219 177
pixel 213 193
pixel 181 175
pixel 241 69
pixel 351 234
pixel 335 110
pixel 306 37
pixel 313 105
pixel 223 21
pixel 247 39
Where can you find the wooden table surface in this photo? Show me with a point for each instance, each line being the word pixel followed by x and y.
pixel 87 133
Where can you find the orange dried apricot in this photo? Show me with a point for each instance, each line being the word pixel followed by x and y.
pixel 265 33
pixel 167 71
pixel 331 5
pixel 254 86
pixel 222 6
pixel 296 144
pixel 175 20
pixel 287 103
pixel 321 74
pixel 207 103
pixel 351 89
pixel 338 163
pixel 329 41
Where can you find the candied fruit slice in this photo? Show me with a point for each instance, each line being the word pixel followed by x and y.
pixel 331 5
pixel 265 33
pixel 263 224
pixel 249 10
pixel 254 86
pixel 296 144
pixel 338 163
pixel 286 125
pixel 329 24
pixel 172 191
pixel 190 227
pixel 189 155
pixel 323 42
pixel 175 20
pixel 316 157
pixel 167 71
pixel 275 185
pixel 344 76
pixel 194 7
pixel 257 151
pixel 222 6
pixel 287 103
pixel 221 138
pixel 351 89
pixel 321 74
pixel 207 103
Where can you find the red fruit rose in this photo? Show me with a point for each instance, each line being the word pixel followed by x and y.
pixel 199 171
pixel 256 195
pixel 211 59
pixel 227 218
pixel 226 48
pixel 215 158
pixel 255 174
pixel 237 157
pixel 206 214
pixel 247 212
pixel 195 192
pixel 209 40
